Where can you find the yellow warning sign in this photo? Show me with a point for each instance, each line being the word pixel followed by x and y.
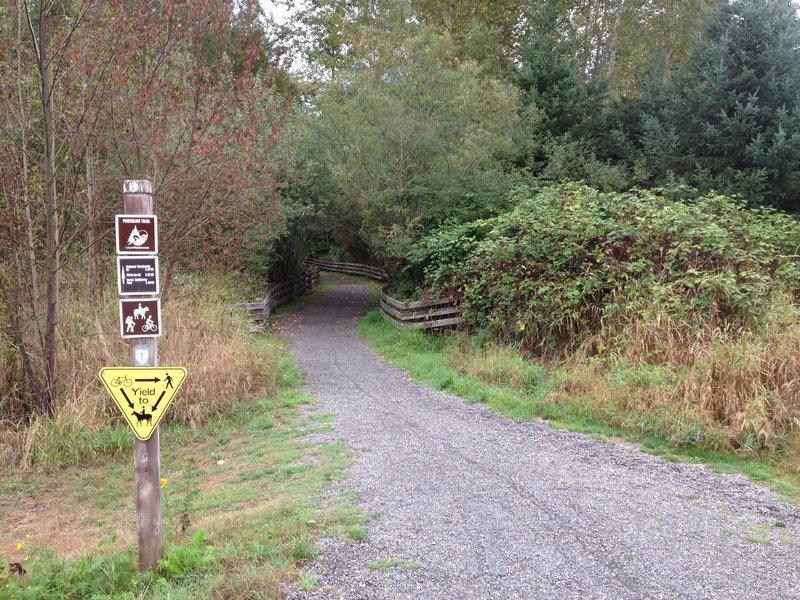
pixel 143 394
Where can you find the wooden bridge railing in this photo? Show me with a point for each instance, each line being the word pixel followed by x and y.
pixel 349 268
pixel 277 295
pixel 421 314
pixel 437 313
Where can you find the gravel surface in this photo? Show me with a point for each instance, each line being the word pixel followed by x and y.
pixel 485 507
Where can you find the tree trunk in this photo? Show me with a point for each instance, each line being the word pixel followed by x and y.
pixel 46 401
pixel 29 216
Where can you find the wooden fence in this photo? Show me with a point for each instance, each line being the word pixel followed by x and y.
pixel 370 271
pixel 421 314
pixel 278 294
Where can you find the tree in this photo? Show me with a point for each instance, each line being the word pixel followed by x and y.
pixel 182 93
pixel 563 114
pixel 411 139
pixel 731 119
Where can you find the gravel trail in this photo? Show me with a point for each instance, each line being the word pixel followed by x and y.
pixel 483 507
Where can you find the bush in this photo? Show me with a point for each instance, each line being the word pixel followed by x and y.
pixel 224 366
pixel 695 301
pixel 570 261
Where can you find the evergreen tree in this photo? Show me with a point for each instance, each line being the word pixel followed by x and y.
pixel 563 113
pixel 731 119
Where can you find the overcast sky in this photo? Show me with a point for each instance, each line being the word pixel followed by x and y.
pixel 271 8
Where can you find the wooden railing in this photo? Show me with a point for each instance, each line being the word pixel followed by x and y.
pixel 349 268
pixel 278 294
pixel 421 314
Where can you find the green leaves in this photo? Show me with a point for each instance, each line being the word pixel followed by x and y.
pixel 412 138
pixel 730 120
pixel 570 258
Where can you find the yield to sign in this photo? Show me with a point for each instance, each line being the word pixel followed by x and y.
pixel 143 394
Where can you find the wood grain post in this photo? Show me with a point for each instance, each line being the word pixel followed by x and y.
pixel 137 199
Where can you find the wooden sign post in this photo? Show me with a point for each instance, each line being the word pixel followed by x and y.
pixel 137 199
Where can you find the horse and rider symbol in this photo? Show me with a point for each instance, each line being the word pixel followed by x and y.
pixel 143 417
pixel 123 381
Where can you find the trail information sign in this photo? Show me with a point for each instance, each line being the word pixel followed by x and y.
pixel 137 234
pixel 143 394
pixel 137 275
pixel 140 317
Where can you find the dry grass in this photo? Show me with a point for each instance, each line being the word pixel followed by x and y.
pixel 736 388
pixel 714 388
pixel 496 365
pixel 223 365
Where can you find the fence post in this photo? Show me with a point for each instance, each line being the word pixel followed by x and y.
pixel 137 199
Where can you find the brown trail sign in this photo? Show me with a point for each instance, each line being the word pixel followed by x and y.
pixel 137 234
pixel 137 275
pixel 140 317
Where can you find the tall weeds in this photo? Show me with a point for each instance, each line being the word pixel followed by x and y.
pixel 224 366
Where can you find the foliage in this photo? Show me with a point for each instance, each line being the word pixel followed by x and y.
pixel 203 335
pixel 703 288
pixel 111 575
pixel 187 95
pixel 730 120
pixel 569 260
pixel 410 140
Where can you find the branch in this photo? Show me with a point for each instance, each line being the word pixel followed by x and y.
pixel 33 35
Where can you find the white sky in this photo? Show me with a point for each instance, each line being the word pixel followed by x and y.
pixel 278 11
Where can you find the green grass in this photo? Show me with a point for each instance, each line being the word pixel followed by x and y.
pixel 358 533
pixel 522 390
pixel 374 286
pixel 754 539
pixel 687 496
pixel 307 581
pixel 241 510
pixel 297 303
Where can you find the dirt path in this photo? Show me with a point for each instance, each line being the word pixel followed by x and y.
pixel 482 507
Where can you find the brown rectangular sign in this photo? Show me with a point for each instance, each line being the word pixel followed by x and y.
pixel 140 318
pixel 137 275
pixel 137 234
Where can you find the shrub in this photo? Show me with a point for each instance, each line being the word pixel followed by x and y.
pixel 570 261
pixel 704 289
pixel 224 365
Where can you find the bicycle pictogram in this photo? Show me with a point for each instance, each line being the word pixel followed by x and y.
pixel 122 381
pixel 149 325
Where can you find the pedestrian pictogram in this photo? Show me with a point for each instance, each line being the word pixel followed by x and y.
pixel 137 234
pixel 140 317
pixel 143 394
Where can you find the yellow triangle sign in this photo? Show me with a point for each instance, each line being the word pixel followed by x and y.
pixel 143 394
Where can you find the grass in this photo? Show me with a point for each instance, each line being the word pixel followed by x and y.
pixel 307 582
pixel 241 499
pixel 358 534
pixel 523 390
pixel 301 301
pixel 224 365
pixel 754 539
pixel 240 516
